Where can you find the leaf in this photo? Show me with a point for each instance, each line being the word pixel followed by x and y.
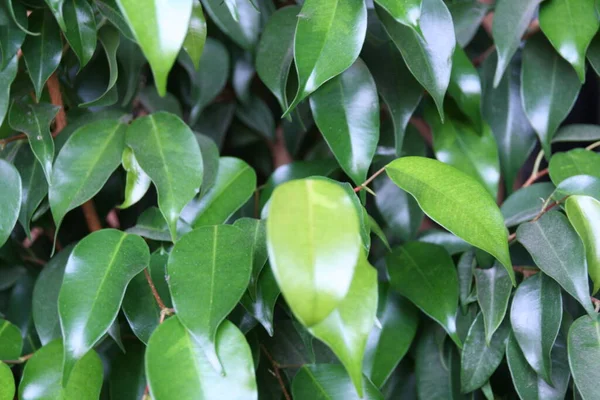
pixel 10 199
pixel 584 349
pixel 84 164
pixel 531 386
pixel 34 120
pixel 11 33
pixel 137 183
pixel 7 382
pixel 81 29
pixel 328 39
pixel 56 6
pixel 558 252
pixel 245 31
pixel 524 204
pixel 110 10
pixel 346 329
pixel 195 38
pixel 132 60
pixel 574 162
pixel 428 56
pixel 346 110
pixel 101 265
pixel 42 53
pixel 493 293
pixel 275 52
pixel 503 110
pixel 535 316
pixel 377 231
pixel 178 175
pixel 584 214
pixel 329 382
pixel 206 284
pixel 418 270
pixel 109 38
pixel 481 357
pixel 160 29
pixel 577 133
pixel 127 378
pixel 210 161
pixel 256 230
pixel 467 16
pixel 570 26
pixel 511 19
pixel 191 374
pixel 593 54
pixel 465 87
pixel 313 233
pixel 45 297
pixel 42 375
pixel 234 185
pixel 263 304
pixel 7 76
pixel 139 305
pixel 152 225
pixel 389 342
pixel 549 89
pixel 257 116
pixel 406 12
pixel 11 343
pixel 583 185
pixel 447 196
pixel 34 185
pixel 465 270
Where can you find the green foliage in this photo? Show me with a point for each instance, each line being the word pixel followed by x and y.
pixel 299 199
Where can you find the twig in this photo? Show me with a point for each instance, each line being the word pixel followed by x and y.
pixel 281 156
pixel 365 183
pixel 159 301
pixel 593 145
pixel 596 303
pixel 20 360
pixel 56 98
pixel 276 369
pixel 423 128
pixel 91 216
pixel 535 177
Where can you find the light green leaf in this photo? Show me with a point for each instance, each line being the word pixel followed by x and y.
pixel 524 204
pixel 346 110
pixel 328 39
pixel 160 29
pixel 262 305
pixel 406 12
pixel 570 25
pixel 81 29
pixel 178 173
pixel 574 162
pixel 84 164
pixel 34 185
pixel 329 382
pixel 584 350
pixel 101 265
pixel 43 375
pixel 7 382
pixel 549 88
pixel 137 183
pixel 584 215
pixel 448 196
pixel 196 34
pixel 11 342
pixel 191 374
pixel 209 270
pixel 7 76
pixel 313 233
pixel 346 329
pixel 493 293
pixel 558 252
pixel 465 87
pixel 428 56
pixel 418 271
pixel 245 31
pixel 34 120
pixel 10 199
pixel 234 185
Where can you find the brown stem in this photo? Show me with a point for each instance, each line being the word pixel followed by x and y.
pixel 159 301
pixel 423 129
pixel 281 156
pixel 535 177
pixel 276 369
pixel 365 183
pixel 91 216
pixel 56 98
pixel 21 360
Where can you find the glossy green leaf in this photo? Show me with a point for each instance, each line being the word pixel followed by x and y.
pixel 206 284
pixel 511 19
pixel 467 16
pixel 84 164
pixel 390 340
pixel 152 225
pixel 524 204
pixel 329 382
pixel 191 374
pixel 132 60
pixel 110 10
pixel 559 253
pixel 502 108
pixel 582 185
pixel 418 270
pixel 262 305
pixel 34 185
pixel 42 53
pixel 346 110
pixel 570 25
pixel 480 356
pixel 535 316
pixel 465 270
pixel 346 329
pixel 584 215
pixel 160 29
pixel 275 52
pixel 593 54
pixel 243 32
pixel 45 297
pixel 256 230
pixel 12 36
pixel 493 293
pixel 43 375
pixel 574 162
pixel 56 6
pixel 375 229
pixel 528 384
pixel 196 34
pixel 584 350
pixel 329 36
pixel 34 120
pixel 549 88
pixel 210 161
pixel 127 378
pixel 11 342
pixel 109 38
pixel 447 195
pixel 137 183
pixel 10 199
pixel 166 137
pixel 81 29
pixel 7 382
pixel 7 76
pixel 313 233
pixel 577 133
pixel 406 12
pixel 102 265
pixel 257 116
pixel 465 87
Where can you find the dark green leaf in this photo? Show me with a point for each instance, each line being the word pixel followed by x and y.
pixel 329 382
pixel 452 243
pixel 465 269
pixel 132 60
pixel 210 161
pixel 56 6
pixel 263 304
pixel 110 10
pixel 493 293
pixel 257 116
pixel 467 16
pixel 196 34
pixel 575 162
pixel 11 342
pixel 577 133
pixel 465 87
pixel 10 199
pixel 243 32
pixel 584 349
pixel 35 185
pixel 406 12
pixel 151 224
pixel 127 376
pixel 11 33
pixel 256 230
pixel 583 185
pixel 524 204
pixel 81 29
pixel 7 76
